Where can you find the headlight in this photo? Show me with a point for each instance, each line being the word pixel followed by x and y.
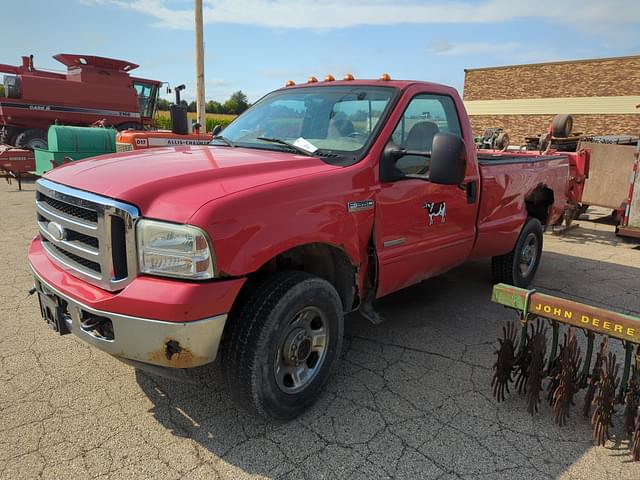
pixel 173 250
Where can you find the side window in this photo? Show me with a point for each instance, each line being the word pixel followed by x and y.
pixel 425 116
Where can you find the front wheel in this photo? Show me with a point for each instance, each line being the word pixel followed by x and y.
pixel 280 346
pixel 519 266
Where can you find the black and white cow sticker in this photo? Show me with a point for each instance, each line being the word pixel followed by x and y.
pixel 436 209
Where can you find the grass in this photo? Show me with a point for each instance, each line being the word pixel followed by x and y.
pixel 163 120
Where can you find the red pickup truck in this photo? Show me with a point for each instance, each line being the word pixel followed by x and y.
pixel 315 202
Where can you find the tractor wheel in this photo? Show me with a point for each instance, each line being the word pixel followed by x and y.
pixel 281 344
pixel 519 266
pixel 8 135
pixel 562 125
pixel 30 139
pixel 502 141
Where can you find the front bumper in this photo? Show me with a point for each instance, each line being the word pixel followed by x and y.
pixel 162 322
pixel 165 344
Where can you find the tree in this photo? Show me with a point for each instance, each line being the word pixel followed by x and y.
pixel 237 103
pixel 213 107
pixel 192 107
pixel 163 104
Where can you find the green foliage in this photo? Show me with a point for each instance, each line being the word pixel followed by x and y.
pixel 163 122
pixel 213 121
pixel 163 104
pixel 237 103
pixel 1 90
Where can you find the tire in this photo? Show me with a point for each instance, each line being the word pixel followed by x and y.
pixel 31 139
pixel 8 135
pixel 276 315
pixel 502 141
pixel 527 252
pixel 561 126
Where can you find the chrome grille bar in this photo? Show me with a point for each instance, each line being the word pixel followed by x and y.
pixel 82 246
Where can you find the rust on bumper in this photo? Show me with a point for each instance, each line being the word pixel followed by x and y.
pixel 155 342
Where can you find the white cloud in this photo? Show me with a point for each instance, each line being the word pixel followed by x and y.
pixel 601 17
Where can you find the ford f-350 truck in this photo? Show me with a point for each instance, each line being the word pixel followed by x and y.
pixel 320 199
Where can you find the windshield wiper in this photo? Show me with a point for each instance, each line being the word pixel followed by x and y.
pixel 225 140
pixel 287 144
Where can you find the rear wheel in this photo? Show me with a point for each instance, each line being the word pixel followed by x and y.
pixel 8 135
pixel 519 266
pixel 280 346
pixel 30 139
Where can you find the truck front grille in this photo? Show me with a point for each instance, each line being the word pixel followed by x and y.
pixel 90 236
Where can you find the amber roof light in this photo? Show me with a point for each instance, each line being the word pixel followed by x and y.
pixel 385 77
pixel 290 83
pixel 312 79
pixel 329 78
pixel 348 76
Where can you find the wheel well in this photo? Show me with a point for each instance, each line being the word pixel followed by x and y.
pixel 326 261
pixel 538 203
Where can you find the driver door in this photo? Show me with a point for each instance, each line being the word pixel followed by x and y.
pixel 422 229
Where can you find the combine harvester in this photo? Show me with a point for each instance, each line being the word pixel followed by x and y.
pixel 564 371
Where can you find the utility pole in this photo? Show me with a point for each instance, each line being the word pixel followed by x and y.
pixel 200 105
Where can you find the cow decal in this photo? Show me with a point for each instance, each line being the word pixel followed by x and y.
pixel 436 209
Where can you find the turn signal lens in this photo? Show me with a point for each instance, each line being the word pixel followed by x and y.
pixel 329 78
pixel 348 76
pixel 312 79
pixel 385 77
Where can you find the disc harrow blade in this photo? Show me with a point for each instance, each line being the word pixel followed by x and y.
pixel 605 400
pixel 567 378
pixel 503 368
pixel 595 378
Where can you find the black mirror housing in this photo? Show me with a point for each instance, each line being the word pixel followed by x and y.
pixel 448 159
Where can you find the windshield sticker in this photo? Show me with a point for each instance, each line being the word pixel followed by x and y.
pixel 436 209
pixel 305 145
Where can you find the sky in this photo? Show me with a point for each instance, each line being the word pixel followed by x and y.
pixel 257 45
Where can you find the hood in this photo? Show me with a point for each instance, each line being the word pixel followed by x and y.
pixel 173 183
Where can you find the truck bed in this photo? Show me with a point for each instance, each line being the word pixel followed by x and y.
pixel 505 176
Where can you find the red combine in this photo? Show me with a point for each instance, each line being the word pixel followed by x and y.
pixel 93 89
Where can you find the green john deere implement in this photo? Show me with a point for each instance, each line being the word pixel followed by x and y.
pixel 524 361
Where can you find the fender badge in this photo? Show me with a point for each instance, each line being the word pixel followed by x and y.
pixel 360 205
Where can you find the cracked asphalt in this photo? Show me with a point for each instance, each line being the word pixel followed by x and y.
pixel 411 398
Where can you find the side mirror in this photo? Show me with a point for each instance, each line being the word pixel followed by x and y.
pixel 216 130
pixel 448 159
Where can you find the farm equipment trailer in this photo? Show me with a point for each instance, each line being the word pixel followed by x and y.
pixel 93 89
pixel 315 202
pixel 564 370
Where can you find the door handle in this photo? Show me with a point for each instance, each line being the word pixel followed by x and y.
pixel 472 191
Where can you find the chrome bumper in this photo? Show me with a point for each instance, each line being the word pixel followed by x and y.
pixel 165 344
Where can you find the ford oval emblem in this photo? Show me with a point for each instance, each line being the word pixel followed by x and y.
pixel 56 231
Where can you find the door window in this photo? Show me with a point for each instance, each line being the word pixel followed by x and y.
pixel 425 116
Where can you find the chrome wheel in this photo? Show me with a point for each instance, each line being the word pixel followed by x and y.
pixel 528 255
pixel 301 350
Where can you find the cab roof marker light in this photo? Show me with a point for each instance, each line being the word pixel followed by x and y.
pixel 348 77
pixel 329 78
pixel 312 79
pixel 385 77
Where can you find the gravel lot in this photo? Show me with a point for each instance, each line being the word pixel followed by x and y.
pixel 411 398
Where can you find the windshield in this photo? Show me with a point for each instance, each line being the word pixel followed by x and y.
pixel 147 94
pixel 333 119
